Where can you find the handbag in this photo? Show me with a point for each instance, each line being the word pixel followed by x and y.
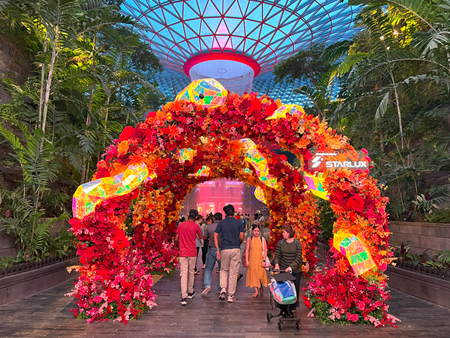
pixel 266 262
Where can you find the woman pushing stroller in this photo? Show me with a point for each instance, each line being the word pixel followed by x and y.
pixel 288 256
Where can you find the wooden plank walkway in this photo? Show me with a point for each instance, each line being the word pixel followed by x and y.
pixel 46 314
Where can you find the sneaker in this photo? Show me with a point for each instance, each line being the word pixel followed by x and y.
pixel 231 299
pixel 223 294
pixel 205 292
pixel 183 301
pixel 191 295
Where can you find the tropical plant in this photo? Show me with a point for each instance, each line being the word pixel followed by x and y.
pixel 439 216
pixel 29 229
pixel 35 154
pixel 403 253
pixel 428 205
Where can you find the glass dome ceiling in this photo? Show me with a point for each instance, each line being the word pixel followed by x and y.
pixel 263 31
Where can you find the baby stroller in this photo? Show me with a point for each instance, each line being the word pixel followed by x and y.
pixel 284 296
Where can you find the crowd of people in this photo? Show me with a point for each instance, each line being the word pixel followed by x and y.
pixel 220 240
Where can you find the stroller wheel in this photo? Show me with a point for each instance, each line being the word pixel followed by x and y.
pixel 280 326
pixel 297 324
pixel 269 317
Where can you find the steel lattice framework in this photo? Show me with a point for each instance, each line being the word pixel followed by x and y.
pixel 263 31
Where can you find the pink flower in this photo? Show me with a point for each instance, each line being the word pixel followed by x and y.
pixel 352 317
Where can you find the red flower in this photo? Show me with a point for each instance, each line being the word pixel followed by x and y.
pixel 331 300
pixel 126 133
pixel 256 105
pixel 356 203
pixel 270 109
pixel 151 114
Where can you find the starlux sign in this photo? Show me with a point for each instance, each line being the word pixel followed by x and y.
pixel 320 158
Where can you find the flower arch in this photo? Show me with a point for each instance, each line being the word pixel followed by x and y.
pixel 119 248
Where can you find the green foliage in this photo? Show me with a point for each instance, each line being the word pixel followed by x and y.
pixel 30 230
pixel 305 65
pixel 91 76
pixel 327 220
pixel 403 253
pixel 428 205
pixel 8 261
pixel 439 216
pixel 443 259
pixel 440 260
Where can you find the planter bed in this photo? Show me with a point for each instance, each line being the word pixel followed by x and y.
pixel 423 282
pixel 26 279
pixel 425 270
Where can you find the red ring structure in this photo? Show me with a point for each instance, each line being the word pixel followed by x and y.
pixel 221 56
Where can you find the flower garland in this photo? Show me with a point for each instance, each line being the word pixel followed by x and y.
pixel 213 134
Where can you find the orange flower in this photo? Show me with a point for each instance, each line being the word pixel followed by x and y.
pixel 122 148
pixel 342 265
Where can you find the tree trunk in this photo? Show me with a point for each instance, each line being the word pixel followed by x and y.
pixel 399 116
pixel 397 103
pixel 49 79
pixel 381 140
pixel 83 171
pixel 41 98
pixel 91 87
pixel 87 170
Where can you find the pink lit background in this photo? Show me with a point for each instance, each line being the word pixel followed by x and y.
pixel 212 196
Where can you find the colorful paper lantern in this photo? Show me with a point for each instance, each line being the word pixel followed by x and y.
pixel 204 172
pixel 315 185
pixel 259 194
pixel 90 194
pixel 186 154
pixel 352 247
pixel 281 112
pixel 259 162
pixel 208 92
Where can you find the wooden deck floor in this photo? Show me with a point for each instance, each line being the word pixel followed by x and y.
pixel 46 314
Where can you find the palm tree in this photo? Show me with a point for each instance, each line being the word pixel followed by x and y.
pixel 429 46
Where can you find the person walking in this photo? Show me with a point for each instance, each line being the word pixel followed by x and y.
pixel 232 232
pixel 288 256
pixel 255 255
pixel 209 220
pixel 198 241
pixel 186 234
pixel 211 257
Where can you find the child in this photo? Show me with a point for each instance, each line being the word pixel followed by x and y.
pixel 255 255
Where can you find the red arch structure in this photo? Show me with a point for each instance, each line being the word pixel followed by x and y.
pixel 119 246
